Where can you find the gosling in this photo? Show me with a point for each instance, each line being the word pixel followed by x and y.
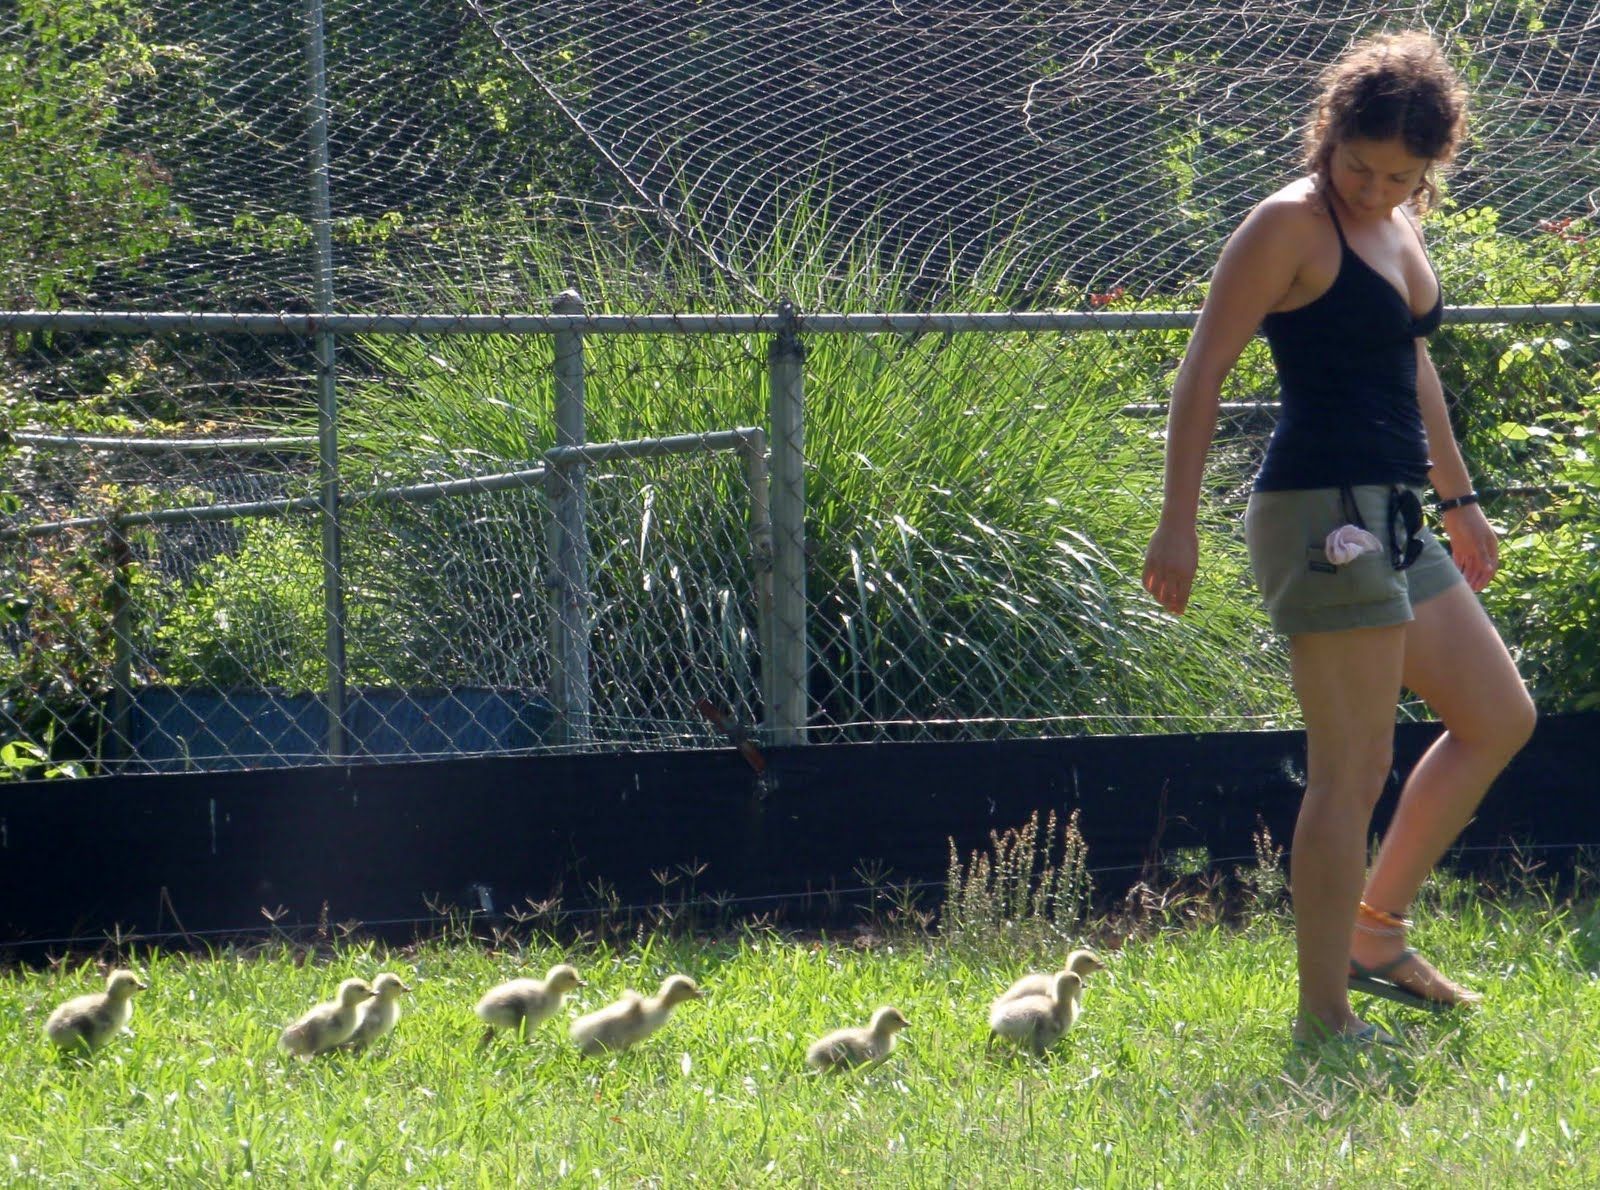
pixel 631 1019
pixel 85 1023
pixel 327 1026
pixel 1080 962
pixel 853 1047
pixel 523 1003
pixel 1038 1022
pixel 377 1017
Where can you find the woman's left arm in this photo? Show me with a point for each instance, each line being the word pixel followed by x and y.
pixel 1472 539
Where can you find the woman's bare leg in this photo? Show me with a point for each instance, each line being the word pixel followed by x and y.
pixel 1455 660
pixel 1348 684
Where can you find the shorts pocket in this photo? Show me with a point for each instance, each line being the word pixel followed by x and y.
pixel 1317 582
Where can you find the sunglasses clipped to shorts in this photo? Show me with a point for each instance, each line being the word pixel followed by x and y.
pixel 1405 523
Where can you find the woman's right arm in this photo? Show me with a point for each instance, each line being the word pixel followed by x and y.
pixel 1257 268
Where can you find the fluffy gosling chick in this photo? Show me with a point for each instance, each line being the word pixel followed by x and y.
pixel 632 1018
pixel 377 1017
pixel 87 1022
pixel 523 1003
pixel 852 1047
pixel 327 1026
pixel 1038 1022
pixel 1082 962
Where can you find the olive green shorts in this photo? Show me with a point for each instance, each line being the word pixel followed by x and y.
pixel 1304 592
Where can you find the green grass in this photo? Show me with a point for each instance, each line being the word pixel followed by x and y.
pixel 1180 1073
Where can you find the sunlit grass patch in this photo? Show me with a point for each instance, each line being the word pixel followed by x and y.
pixel 1180 1072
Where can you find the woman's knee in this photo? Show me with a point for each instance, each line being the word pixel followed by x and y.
pixel 1355 774
pixel 1501 730
pixel 1515 726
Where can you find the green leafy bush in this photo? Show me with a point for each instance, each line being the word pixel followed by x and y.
pixel 252 617
pixel 1526 410
pixel 1508 373
pixel 1548 592
pixel 72 199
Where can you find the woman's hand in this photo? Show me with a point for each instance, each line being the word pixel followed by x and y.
pixel 1473 545
pixel 1170 563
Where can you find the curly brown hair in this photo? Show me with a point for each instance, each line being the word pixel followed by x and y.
pixel 1393 84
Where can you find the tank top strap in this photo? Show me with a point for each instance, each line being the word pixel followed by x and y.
pixel 1334 215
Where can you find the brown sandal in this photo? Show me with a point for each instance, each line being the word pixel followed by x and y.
pixel 1376 981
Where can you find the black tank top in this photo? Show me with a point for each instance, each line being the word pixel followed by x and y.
pixel 1347 377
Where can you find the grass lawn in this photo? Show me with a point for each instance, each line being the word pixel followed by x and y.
pixel 1179 1073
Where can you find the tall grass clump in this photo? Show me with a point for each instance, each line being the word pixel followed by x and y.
pixel 977 504
pixel 1266 885
pixel 1028 894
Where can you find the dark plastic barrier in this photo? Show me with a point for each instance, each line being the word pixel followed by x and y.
pixel 378 842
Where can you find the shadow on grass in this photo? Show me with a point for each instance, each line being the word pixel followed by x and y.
pixel 1334 1077
pixel 1333 1083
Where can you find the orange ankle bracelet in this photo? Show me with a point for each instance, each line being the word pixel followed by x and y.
pixel 1392 920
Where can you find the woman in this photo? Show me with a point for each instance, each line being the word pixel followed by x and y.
pixel 1333 269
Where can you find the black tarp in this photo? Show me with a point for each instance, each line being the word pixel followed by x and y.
pixel 383 842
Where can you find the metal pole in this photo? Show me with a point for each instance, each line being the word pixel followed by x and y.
pixel 758 482
pixel 784 667
pixel 327 397
pixel 163 322
pixel 567 489
pixel 121 742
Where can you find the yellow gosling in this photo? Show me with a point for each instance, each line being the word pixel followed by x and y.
pixel 631 1019
pixel 523 1003
pixel 327 1026
pixel 85 1023
pixel 1038 1022
pixel 1080 962
pixel 852 1047
pixel 377 1017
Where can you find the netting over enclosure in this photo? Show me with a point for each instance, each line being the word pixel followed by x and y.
pixel 913 509
pixel 1066 148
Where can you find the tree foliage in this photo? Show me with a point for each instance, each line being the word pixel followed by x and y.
pixel 75 195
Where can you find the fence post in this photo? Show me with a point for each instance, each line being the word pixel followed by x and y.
pixel 566 488
pixel 758 482
pixel 327 396
pixel 783 669
pixel 121 743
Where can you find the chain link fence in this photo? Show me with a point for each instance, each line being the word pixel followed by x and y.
pixel 305 458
